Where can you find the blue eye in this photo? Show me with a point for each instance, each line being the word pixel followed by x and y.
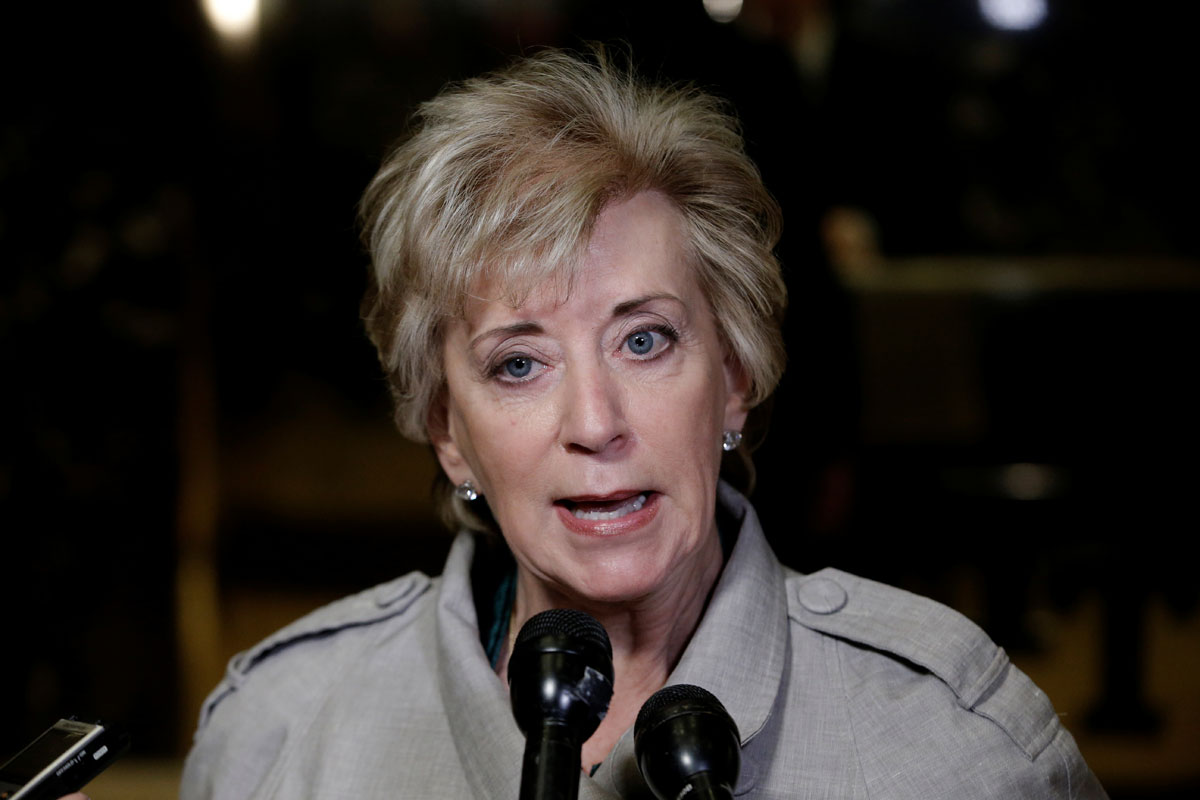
pixel 640 343
pixel 519 366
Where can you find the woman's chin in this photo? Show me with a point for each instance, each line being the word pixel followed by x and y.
pixel 647 555
pixel 627 581
pixel 623 591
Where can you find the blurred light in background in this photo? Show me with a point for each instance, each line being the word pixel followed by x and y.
pixel 1013 15
pixel 1030 481
pixel 723 10
pixel 234 20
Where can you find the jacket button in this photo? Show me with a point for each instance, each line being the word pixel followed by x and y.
pixel 822 596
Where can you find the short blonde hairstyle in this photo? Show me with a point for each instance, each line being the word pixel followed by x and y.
pixel 501 180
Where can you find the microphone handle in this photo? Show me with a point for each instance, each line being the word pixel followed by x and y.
pixel 552 765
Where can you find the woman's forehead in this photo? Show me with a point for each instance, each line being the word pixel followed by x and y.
pixel 637 251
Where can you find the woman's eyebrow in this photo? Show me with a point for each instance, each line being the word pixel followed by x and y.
pixel 516 329
pixel 621 309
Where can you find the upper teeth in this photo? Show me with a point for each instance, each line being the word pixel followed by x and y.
pixel 628 507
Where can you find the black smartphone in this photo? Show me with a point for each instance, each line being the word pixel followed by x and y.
pixel 61 760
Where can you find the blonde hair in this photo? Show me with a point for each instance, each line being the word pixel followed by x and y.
pixel 502 179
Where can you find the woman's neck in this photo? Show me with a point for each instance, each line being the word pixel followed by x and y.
pixel 648 637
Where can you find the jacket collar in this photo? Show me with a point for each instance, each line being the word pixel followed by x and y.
pixel 490 746
pixel 738 653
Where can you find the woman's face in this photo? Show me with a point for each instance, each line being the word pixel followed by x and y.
pixel 593 423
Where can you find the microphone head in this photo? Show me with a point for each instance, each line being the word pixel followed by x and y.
pixel 682 735
pixel 561 673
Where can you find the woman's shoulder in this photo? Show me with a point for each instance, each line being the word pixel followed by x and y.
pixel 915 632
pixel 905 627
pixel 270 690
pixel 311 645
pixel 927 690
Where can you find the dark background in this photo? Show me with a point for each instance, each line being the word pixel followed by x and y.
pixel 993 406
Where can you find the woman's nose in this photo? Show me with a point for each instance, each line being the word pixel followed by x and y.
pixel 594 418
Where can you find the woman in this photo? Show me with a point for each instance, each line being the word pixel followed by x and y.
pixel 576 303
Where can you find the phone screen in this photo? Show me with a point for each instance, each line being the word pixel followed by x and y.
pixel 59 761
pixel 39 754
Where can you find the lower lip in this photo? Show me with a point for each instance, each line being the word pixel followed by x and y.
pixel 611 527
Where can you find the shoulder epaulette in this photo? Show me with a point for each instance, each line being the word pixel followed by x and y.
pixel 372 605
pixel 933 637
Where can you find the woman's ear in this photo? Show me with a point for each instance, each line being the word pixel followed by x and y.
pixel 737 389
pixel 445 445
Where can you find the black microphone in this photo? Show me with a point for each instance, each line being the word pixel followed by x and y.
pixel 687 744
pixel 560 679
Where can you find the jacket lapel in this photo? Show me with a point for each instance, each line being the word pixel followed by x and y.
pixel 489 744
pixel 738 652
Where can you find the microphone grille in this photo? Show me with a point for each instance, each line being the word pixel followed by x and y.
pixel 694 696
pixel 566 622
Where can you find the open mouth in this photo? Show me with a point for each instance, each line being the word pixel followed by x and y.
pixel 604 510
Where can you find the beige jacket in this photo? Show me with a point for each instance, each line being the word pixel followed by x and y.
pixel 840 687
